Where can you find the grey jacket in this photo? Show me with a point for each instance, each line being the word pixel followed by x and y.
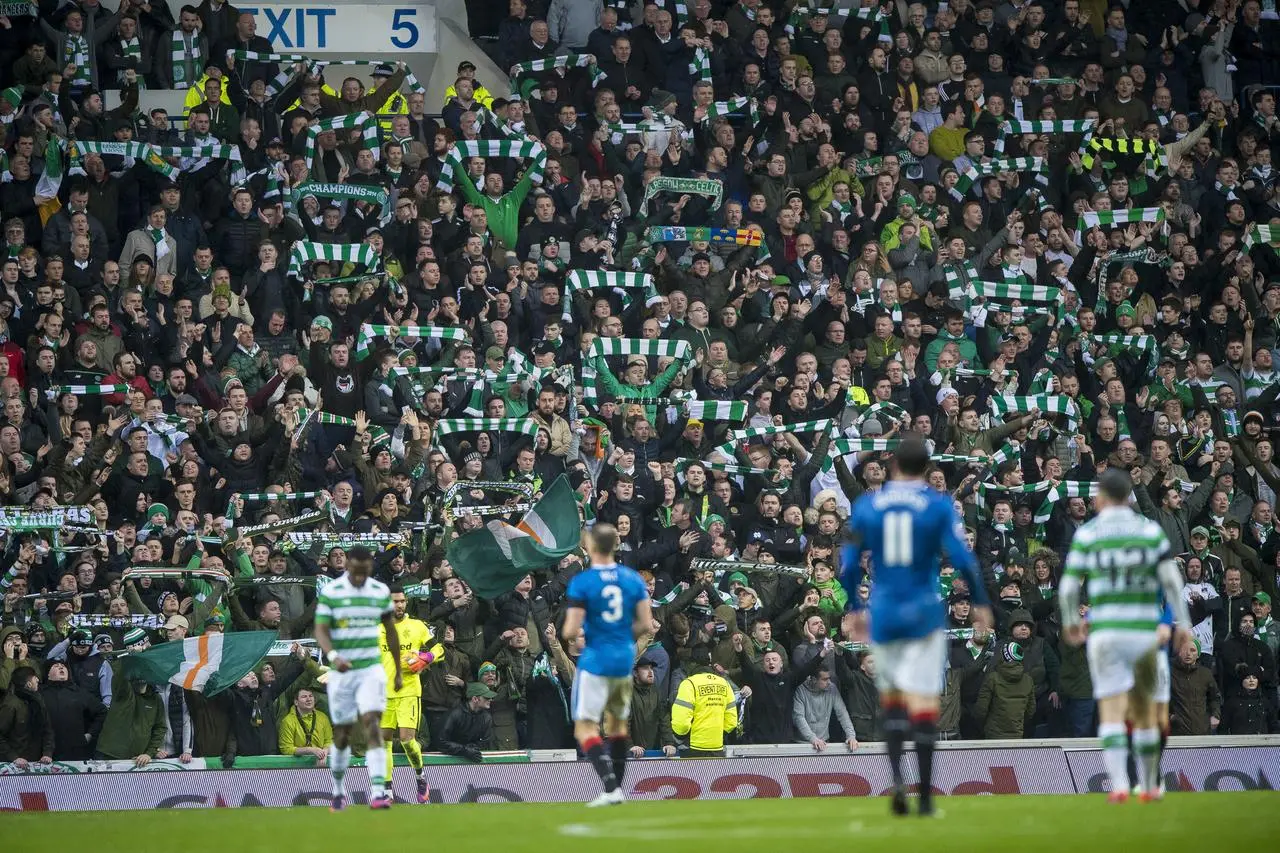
pixel 811 713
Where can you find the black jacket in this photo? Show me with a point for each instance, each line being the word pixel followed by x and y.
pixel 467 731
pixel 769 711
pixel 73 714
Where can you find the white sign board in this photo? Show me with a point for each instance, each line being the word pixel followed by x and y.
pixel 320 28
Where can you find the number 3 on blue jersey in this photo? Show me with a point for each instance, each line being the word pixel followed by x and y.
pixel 612 595
pixel 897 539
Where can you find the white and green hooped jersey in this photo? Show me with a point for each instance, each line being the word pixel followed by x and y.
pixel 353 615
pixel 1117 555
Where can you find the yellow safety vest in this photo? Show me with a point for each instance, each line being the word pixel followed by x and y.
pixel 396 105
pixel 195 95
pixel 704 710
pixel 481 95
pixel 326 88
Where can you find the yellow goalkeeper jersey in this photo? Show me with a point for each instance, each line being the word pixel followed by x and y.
pixel 413 635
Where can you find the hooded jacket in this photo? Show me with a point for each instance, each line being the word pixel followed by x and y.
pixel 25 730
pixel 1006 702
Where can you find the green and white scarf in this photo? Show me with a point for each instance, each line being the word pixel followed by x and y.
pixel 369 331
pixel 678 349
pixel 143 151
pixel 1065 489
pixel 993 167
pixel 364 121
pixel 267 497
pixel 1057 404
pixel 720 109
pixel 700 67
pixel 207 152
pixel 56 391
pixel 685 186
pixel 1021 292
pixel 716 410
pixel 841 446
pixel 187 59
pixel 75 51
pixel 524 426
pixel 571 60
pixel 725 467
pixel 1116 341
pixel 1268 234
pixel 1094 218
pixel 488 148
pixel 619 281
pixel 353 253
pixel 130 49
pixel 1014 127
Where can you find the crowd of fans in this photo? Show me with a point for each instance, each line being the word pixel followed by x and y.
pixel 918 224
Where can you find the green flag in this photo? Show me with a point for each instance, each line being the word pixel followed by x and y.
pixel 494 559
pixel 207 664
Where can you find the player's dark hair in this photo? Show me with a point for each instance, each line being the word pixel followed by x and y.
pixel 912 457
pixel 1115 484
pixel 359 552
pixel 603 539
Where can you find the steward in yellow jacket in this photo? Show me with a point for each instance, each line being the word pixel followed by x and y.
pixel 704 708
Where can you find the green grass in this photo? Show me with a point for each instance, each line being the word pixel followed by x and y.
pixel 1192 822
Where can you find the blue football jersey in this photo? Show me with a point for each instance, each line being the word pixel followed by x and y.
pixel 906 526
pixel 609 595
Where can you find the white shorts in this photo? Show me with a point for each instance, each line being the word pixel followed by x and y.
pixel 1120 661
pixel 912 666
pixel 1163 679
pixel 597 695
pixel 356 692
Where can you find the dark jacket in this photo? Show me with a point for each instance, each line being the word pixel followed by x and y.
pixel 1193 699
pixel 769 710
pixel 1247 713
pixel 25 731
pixel 1007 701
pixel 135 723
pixel 650 718
pixel 466 732
pixel 862 696
pixel 76 717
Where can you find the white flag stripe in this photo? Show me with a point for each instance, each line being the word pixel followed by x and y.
pixel 202 656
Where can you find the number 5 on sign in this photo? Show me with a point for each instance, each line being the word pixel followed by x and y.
pixel 401 23
pixel 897 539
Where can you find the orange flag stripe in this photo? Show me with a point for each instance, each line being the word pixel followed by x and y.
pixel 202 650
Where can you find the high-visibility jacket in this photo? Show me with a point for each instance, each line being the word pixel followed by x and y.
pixel 396 105
pixel 704 710
pixel 480 93
pixel 195 95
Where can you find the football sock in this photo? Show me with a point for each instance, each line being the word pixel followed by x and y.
pixel 925 726
pixel 376 760
pixel 594 749
pixel 896 726
pixel 338 761
pixel 1114 752
pixel 391 762
pixel 1146 747
pixel 413 751
pixel 1131 755
pixel 619 748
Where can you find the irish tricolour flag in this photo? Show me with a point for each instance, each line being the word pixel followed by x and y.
pixel 494 559
pixel 207 664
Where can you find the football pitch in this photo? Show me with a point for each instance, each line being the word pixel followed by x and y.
pixel 1183 821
